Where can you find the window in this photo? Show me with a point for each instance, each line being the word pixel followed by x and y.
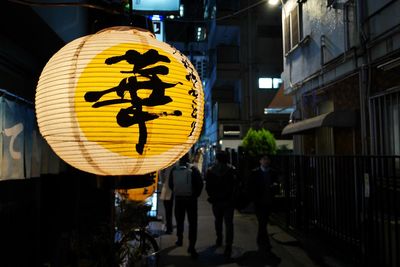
pixel 269 83
pixel 265 83
pixel 276 82
pixel 293 28
pixel 286 28
pixel 385 114
pixel 200 34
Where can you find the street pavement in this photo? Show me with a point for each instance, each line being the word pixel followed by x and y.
pixel 244 252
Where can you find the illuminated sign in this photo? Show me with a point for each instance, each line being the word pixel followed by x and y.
pixel 156 5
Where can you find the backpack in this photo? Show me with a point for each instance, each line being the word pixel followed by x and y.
pixel 182 179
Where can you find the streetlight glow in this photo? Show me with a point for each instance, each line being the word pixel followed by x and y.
pixel 273 2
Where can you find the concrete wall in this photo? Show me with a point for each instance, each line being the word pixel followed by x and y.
pixel 327 36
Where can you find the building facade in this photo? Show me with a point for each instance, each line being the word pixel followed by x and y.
pixel 340 60
pixel 245 64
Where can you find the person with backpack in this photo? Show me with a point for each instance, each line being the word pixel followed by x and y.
pixel 220 187
pixel 186 184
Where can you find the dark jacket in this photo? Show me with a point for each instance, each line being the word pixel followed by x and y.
pixel 220 183
pixel 261 186
pixel 197 181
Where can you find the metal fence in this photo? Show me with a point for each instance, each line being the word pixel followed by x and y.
pixel 351 201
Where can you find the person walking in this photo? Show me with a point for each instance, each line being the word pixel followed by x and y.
pixel 198 161
pixel 262 184
pixel 186 184
pixel 220 185
pixel 167 197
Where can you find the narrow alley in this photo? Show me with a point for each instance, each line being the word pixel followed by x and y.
pixel 285 247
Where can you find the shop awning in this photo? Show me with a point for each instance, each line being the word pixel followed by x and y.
pixel 342 118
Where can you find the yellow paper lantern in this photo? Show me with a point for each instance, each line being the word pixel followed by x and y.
pixel 119 102
pixel 140 194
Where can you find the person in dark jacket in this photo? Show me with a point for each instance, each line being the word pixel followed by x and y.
pixel 220 182
pixel 186 201
pixel 262 183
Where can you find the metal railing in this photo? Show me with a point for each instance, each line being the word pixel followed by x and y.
pixel 351 201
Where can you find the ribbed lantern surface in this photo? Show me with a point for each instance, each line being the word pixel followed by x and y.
pixel 119 102
pixel 142 193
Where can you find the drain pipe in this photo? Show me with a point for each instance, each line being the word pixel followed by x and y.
pixel 250 66
pixel 364 78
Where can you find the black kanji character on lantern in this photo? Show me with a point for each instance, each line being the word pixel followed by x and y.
pixel 191 77
pixel 135 114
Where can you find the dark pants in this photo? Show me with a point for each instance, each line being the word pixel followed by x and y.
pixel 223 212
pixel 183 206
pixel 168 205
pixel 262 214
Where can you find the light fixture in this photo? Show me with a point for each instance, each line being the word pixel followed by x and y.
pixel 119 102
pixel 273 2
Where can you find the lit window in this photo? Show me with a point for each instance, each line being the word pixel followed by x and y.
pixel 265 83
pixel 277 82
pixel 201 34
pixel 269 83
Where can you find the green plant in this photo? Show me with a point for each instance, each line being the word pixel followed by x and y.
pixel 259 142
